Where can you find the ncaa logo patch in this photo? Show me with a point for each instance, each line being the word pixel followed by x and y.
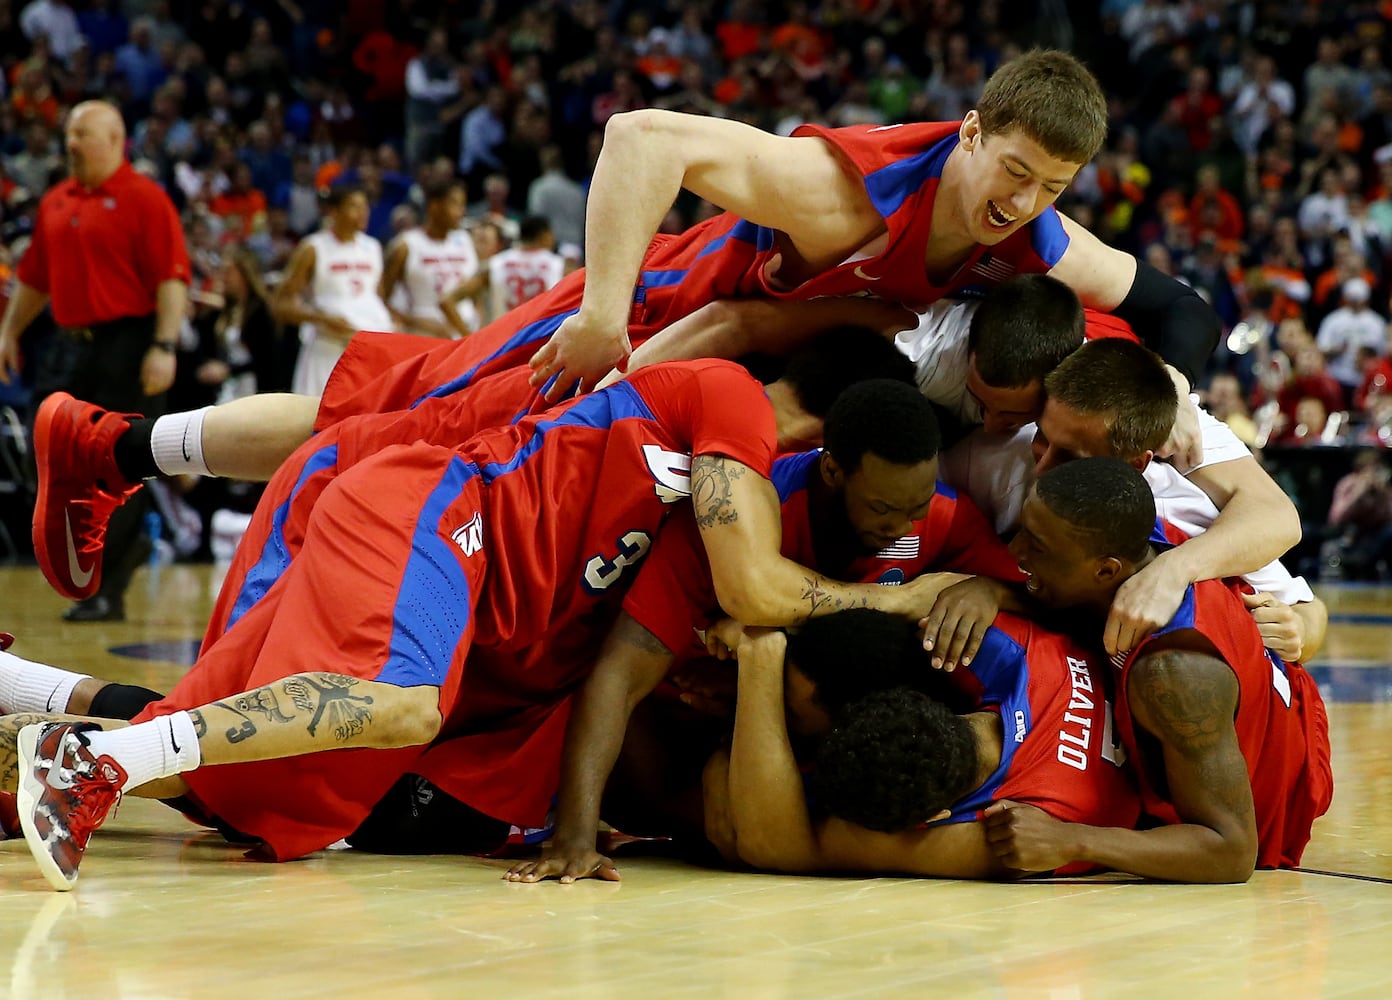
pixel 891 577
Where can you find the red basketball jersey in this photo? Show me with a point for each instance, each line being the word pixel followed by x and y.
pixel 1281 724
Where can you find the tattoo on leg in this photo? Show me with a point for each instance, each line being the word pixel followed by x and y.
pixel 711 484
pixel 10 726
pixel 261 701
pixel 330 695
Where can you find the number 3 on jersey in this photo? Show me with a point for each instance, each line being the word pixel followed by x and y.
pixel 602 573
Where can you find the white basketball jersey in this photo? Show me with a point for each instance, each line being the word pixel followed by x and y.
pixel 345 280
pixel 433 267
pixel 519 275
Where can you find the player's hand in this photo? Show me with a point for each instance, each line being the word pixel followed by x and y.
pixel 1184 447
pixel 1144 603
pixel 10 360
pixel 1281 629
pixel 954 628
pixel 579 353
pixel 566 863
pixel 1028 839
pixel 337 328
pixel 157 371
pixel 723 638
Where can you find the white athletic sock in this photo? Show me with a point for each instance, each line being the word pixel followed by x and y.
pixel 159 748
pixel 176 441
pixel 26 686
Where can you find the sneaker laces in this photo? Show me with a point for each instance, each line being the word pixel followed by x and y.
pixel 92 532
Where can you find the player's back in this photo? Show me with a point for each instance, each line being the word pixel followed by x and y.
pixel 574 496
pixel 520 274
pixel 1281 724
pixel 1058 750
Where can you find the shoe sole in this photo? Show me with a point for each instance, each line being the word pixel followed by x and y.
pixel 31 791
pixel 43 430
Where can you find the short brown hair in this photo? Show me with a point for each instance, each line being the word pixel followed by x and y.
pixel 1052 98
pixel 1126 385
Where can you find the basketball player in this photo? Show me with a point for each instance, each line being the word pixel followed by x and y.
pixel 341 267
pixel 1230 744
pixel 511 277
pixel 425 262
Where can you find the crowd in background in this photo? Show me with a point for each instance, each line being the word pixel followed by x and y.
pixel 1250 153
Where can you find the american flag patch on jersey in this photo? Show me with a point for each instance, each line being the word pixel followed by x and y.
pixel 993 268
pixel 905 548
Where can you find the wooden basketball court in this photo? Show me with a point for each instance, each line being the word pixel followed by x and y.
pixel 164 910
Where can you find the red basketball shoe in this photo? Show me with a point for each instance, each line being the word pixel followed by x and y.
pixel 65 793
pixel 79 487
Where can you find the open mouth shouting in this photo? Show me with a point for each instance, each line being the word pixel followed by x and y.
pixel 998 218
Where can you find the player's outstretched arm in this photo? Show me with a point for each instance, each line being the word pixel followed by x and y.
pixel 738 514
pixel 631 663
pixel 797 185
pixel 1256 524
pixel 1186 701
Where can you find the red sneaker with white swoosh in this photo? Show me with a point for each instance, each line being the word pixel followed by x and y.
pixel 79 487
pixel 65 793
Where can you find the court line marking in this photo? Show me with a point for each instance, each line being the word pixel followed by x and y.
pixel 1359 878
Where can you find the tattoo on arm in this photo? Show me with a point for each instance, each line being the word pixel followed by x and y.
pixel 1188 701
pixel 819 599
pixel 712 480
pixel 200 724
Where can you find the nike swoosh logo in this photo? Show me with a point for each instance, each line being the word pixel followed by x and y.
pixel 183 443
pixel 172 740
pixel 55 778
pixel 861 274
pixel 80 577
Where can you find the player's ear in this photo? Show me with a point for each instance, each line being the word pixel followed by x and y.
pixel 969 132
pixel 1108 570
pixel 832 474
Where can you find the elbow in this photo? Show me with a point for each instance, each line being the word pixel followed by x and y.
pixel 1283 526
pixel 748 601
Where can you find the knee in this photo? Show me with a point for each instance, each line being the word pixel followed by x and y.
pixel 418 721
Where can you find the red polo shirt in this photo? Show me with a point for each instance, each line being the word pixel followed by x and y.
pixel 101 254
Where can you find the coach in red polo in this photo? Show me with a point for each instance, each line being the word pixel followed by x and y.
pixel 108 258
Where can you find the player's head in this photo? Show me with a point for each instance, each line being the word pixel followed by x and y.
pixel 1022 330
pixel 837 659
pixel 345 206
pixel 895 759
pixel 445 202
pixel 535 231
pixel 881 459
pixel 1109 397
pixel 1040 118
pixel 821 370
pixel 1084 530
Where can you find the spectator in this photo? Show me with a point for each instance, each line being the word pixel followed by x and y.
pixel 494 208
pixel 1347 329
pixel 1362 507
pixel 241 207
pixel 104 29
pixel 432 88
pixel 1225 401
pixel 1260 103
pixel 1310 381
pixel 483 134
pixel 33 167
pixel 269 163
pixel 139 63
pixel 1329 74
pixel 1213 210
pixel 558 199
pixel 54 21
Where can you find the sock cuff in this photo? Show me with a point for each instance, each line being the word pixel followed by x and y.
pixel 176 441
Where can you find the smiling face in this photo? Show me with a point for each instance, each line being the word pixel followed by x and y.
pixel 1008 180
pixel 883 499
pixel 1060 572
